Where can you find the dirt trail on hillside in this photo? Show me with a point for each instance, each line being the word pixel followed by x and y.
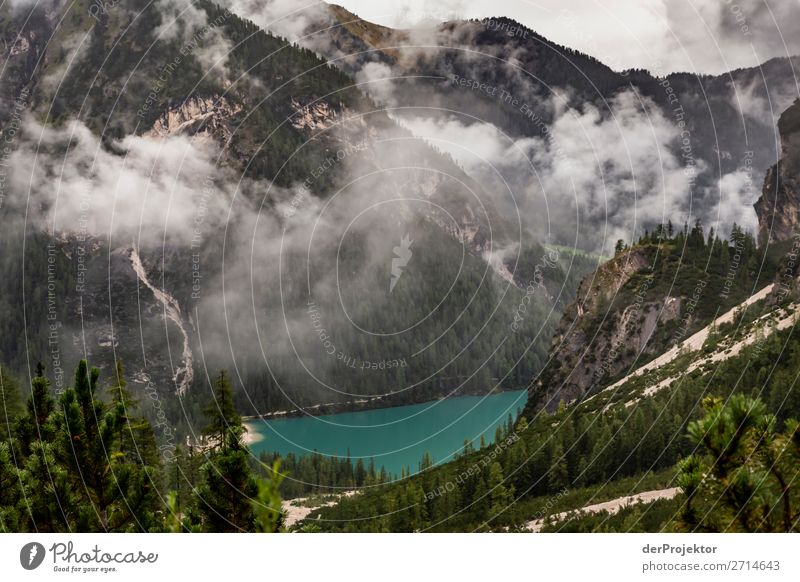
pixel 298 509
pixel 612 507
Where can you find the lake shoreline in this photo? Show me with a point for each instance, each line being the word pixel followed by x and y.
pixel 250 436
pixel 363 404
pixel 395 438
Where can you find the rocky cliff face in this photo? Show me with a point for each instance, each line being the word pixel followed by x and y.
pixel 649 299
pixel 652 297
pixel 199 116
pixel 612 322
pixel 778 208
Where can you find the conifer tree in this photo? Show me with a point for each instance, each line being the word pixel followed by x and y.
pixel 50 502
pixel 361 473
pixel 229 488
pixel 224 424
pixel 114 495
pixel 500 494
pixel 135 438
pixel 11 510
pixel 267 506
pixel 426 462
pixel 39 407
pixel 558 476
pixel 744 477
pixel 10 404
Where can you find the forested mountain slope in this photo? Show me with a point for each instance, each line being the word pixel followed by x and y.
pixel 231 200
pixel 467 78
pixel 724 359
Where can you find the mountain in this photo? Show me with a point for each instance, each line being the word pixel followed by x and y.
pixel 720 111
pixel 252 138
pixel 231 200
pixel 779 204
pixel 673 326
pixel 546 108
pixel 653 296
pixel 345 215
pixel 645 300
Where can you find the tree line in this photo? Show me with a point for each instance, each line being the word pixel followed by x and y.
pixel 87 461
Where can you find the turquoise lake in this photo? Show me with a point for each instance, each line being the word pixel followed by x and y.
pixel 394 437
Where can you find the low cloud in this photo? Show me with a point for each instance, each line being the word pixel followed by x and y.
pixel 376 79
pixel 139 187
pixel 593 177
pixel 752 100
pixel 183 20
pixel 710 36
pixel 736 191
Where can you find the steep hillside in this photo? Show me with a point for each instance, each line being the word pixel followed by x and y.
pixel 607 463
pixel 778 208
pixel 649 299
pixel 96 81
pixel 644 301
pixel 225 181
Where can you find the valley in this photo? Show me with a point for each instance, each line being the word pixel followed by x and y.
pixel 314 273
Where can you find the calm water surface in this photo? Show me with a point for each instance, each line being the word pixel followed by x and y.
pixel 394 437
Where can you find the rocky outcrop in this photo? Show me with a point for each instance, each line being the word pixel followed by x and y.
pixel 613 321
pixel 198 116
pixel 607 281
pixel 778 208
pixel 20 45
pixel 314 116
pixel 621 319
pixel 335 126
